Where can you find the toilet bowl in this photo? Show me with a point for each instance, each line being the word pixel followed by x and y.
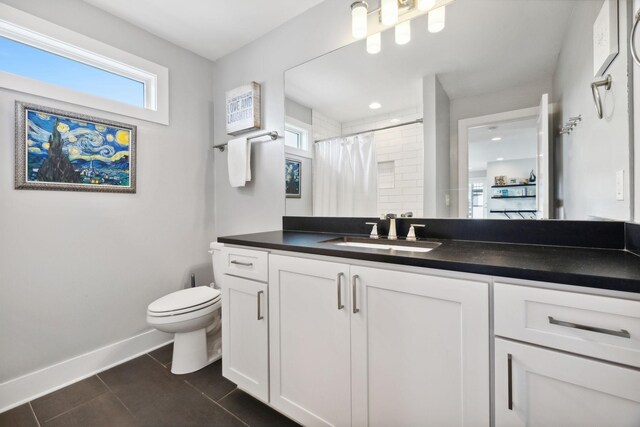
pixel 193 315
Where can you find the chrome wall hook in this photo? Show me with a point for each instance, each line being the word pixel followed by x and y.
pixel 595 86
pixel 571 124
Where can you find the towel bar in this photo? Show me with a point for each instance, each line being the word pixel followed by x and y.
pixel 271 134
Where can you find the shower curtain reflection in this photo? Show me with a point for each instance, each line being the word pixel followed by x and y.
pixel 345 177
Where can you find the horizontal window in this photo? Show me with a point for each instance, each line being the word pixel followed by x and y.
pixel 28 61
pixel 48 60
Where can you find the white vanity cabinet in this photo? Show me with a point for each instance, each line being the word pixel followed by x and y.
pixel 310 340
pixel 539 383
pixel 363 346
pixel 245 330
pixel 333 343
pixel 538 387
pixel 419 349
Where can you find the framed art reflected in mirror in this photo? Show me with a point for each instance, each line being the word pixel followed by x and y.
pixel 293 169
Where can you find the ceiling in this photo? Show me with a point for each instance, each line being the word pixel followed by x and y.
pixel 487 45
pixel 519 141
pixel 210 28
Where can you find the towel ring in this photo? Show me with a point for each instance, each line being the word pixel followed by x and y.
pixel 632 41
pixel 606 82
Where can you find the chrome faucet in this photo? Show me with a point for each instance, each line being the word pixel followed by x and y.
pixel 374 230
pixel 392 227
pixel 411 235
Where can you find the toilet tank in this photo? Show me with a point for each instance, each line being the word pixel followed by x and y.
pixel 215 249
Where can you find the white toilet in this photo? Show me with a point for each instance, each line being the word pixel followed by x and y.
pixel 193 315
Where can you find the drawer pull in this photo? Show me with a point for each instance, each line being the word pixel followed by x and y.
pixel 354 279
pixel 338 279
pixel 510 381
pixel 260 316
pixel 621 333
pixel 244 264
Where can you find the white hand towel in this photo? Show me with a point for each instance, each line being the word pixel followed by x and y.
pixel 239 161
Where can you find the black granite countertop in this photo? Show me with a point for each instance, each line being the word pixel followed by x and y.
pixel 611 269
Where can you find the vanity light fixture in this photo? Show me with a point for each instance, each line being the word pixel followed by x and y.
pixel 375 105
pixel 403 32
pixel 374 43
pixel 426 4
pixel 436 20
pixel 359 11
pixel 398 13
pixel 389 12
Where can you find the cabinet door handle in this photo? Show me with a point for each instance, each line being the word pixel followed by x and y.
pixel 510 381
pixel 354 293
pixel 338 279
pixel 621 333
pixel 244 264
pixel 260 316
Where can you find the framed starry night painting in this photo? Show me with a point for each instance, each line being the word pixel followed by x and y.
pixel 59 150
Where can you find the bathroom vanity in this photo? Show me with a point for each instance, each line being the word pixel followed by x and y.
pixel 460 335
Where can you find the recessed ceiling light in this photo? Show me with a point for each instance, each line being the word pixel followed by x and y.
pixel 497 138
pixel 500 159
pixel 395 120
pixel 375 105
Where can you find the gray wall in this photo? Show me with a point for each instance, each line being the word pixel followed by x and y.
pixel 298 111
pixel 436 107
pixel 260 205
pixel 77 270
pixel 587 160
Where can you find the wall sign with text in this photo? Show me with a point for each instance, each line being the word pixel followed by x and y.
pixel 243 109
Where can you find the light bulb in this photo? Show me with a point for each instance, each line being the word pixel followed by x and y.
pixel 359 19
pixel 426 4
pixel 375 105
pixel 436 20
pixel 403 32
pixel 374 43
pixel 389 12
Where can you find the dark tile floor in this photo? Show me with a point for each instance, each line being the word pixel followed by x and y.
pixel 143 392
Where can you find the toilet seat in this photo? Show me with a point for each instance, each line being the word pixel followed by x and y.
pixel 184 301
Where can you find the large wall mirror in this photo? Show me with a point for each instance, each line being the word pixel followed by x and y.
pixel 492 117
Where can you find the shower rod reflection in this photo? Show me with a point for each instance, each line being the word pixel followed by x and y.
pixel 373 130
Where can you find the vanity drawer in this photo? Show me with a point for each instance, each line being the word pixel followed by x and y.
pixel 602 327
pixel 247 263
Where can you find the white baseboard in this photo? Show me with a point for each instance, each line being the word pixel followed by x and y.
pixel 35 384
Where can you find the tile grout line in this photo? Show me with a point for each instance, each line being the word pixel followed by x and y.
pixel 236 388
pixel 34 414
pixel 159 362
pixel 116 396
pixel 76 407
pixel 217 404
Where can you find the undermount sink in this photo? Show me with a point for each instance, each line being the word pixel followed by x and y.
pixel 384 244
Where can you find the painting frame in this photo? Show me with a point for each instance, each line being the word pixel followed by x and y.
pixel 293 185
pixel 22 170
